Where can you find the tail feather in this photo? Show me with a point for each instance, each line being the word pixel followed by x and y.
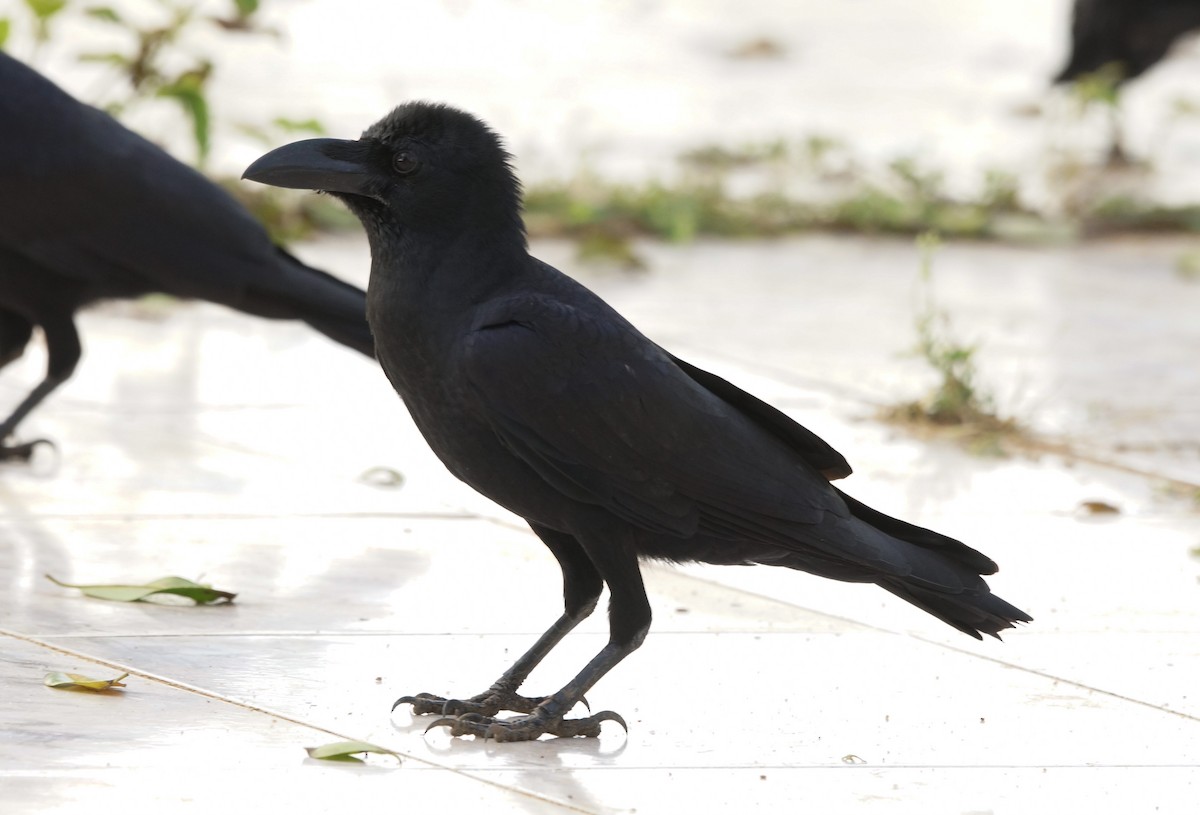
pixel 971 612
pixel 941 576
pixel 335 308
pixel 925 538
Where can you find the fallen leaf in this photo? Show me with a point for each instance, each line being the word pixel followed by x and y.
pixel 197 592
pixel 1099 508
pixel 343 750
pixel 66 681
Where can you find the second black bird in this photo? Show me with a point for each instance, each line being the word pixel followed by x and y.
pixel 91 211
pixel 535 392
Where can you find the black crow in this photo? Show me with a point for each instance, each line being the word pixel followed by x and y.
pixel 1130 35
pixel 535 392
pixel 91 211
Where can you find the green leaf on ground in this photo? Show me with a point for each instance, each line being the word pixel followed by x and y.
pixel 5 27
pixel 67 681
pixel 199 593
pixel 344 751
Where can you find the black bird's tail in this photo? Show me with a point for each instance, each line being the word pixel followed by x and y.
pixel 973 612
pixel 944 578
pixel 335 308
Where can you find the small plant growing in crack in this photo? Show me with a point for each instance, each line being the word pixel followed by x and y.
pixel 958 404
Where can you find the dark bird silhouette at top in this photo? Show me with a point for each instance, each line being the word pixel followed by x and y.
pixel 1119 40
pixel 91 211
pixel 535 392
pixel 1131 35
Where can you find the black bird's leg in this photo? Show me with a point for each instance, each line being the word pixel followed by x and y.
pixel 629 620
pixel 1117 157
pixel 581 591
pixel 62 344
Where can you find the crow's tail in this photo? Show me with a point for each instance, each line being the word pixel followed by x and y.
pixel 943 575
pixel 335 308
pixel 973 611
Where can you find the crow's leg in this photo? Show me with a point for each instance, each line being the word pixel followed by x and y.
pixel 581 590
pixel 629 620
pixel 64 350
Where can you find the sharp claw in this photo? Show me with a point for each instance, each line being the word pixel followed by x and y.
pixel 444 721
pixel 610 716
pixel 24 451
pixel 585 703
pixel 416 701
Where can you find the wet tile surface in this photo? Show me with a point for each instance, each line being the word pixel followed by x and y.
pixel 757 689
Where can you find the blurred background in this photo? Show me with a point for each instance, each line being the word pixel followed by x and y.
pixel 700 159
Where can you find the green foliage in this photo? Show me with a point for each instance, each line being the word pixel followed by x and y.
pixel 609 249
pixel 144 66
pixel 956 398
pixel 957 402
pixel 1101 86
pixel 188 90
pixel 43 12
pixel 156 61
pixel 5 29
pixel 908 199
pixel 1123 213
pixel 723 158
pixel 1187 267
pixel 290 215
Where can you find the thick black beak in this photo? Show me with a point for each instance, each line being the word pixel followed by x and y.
pixel 333 165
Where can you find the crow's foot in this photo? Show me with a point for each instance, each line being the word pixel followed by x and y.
pixel 21 452
pixel 488 703
pixel 526 728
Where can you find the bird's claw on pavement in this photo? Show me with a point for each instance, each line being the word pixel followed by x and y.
pixel 488 703
pixel 526 728
pixel 23 451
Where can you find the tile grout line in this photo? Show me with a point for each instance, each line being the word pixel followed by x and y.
pixel 448 515
pixel 1073 682
pixel 183 686
pixel 935 643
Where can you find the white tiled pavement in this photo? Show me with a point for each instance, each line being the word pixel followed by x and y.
pixel 205 444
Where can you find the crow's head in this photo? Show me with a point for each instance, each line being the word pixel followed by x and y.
pixel 424 167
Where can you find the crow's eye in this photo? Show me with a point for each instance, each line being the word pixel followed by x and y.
pixel 405 162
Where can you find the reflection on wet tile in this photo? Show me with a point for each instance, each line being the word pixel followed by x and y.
pixel 126 752
pixel 758 689
pixel 304 575
pixel 767 699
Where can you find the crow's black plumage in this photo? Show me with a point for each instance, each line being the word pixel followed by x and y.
pixel 1131 35
pixel 90 211
pixel 535 392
